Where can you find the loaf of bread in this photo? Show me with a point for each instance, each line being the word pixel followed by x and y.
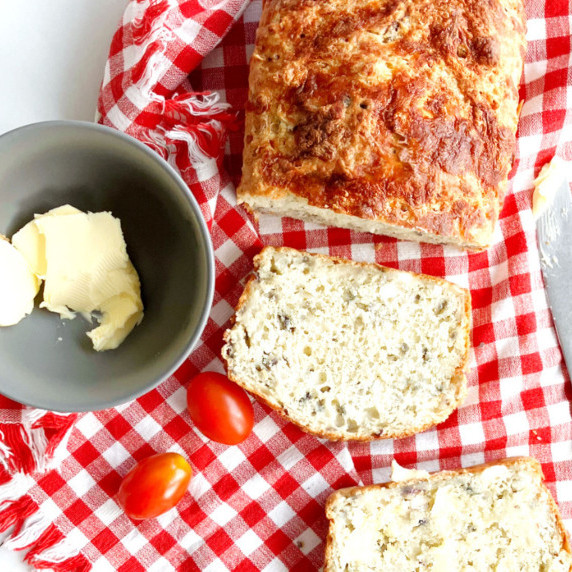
pixel 498 516
pixel 349 350
pixel 396 118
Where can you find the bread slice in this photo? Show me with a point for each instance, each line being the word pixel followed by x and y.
pixel 394 118
pixel 349 350
pixel 497 516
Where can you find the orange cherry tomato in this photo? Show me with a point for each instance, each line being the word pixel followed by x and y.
pixel 219 408
pixel 155 485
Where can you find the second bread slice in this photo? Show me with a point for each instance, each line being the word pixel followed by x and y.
pixel 349 350
pixel 498 516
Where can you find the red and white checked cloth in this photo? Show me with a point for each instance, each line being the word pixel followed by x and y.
pixel 259 505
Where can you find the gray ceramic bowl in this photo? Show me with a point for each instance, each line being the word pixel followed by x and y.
pixel 49 363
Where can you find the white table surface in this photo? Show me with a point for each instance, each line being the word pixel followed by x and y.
pixel 52 55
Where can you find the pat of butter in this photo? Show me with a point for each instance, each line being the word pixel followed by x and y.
pixel 546 184
pixel 18 285
pixel 399 473
pixel 84 262
pixel 31 243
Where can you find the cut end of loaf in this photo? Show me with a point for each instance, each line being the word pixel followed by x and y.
pixel 497 516
pixel 299 208
pixel 348 350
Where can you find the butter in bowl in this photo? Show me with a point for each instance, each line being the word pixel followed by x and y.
pixel 82 260
pixel 102 228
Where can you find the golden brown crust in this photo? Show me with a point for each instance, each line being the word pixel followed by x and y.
pixel 459 374
pixel 533 464
pixel 399 111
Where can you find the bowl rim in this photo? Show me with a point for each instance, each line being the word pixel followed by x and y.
pixel 204 231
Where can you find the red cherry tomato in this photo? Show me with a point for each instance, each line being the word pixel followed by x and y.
pixel 155 485
pixel 219 408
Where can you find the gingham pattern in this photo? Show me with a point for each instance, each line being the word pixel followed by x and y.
pixel 259 505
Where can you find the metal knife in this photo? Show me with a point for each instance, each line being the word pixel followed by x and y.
pixel 554 232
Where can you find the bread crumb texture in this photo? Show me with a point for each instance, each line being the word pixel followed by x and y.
pixel 348 350
pixel 497 518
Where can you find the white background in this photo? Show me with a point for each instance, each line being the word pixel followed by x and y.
pixel 52 55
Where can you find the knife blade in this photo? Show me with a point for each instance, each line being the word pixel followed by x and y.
pixel 554 233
